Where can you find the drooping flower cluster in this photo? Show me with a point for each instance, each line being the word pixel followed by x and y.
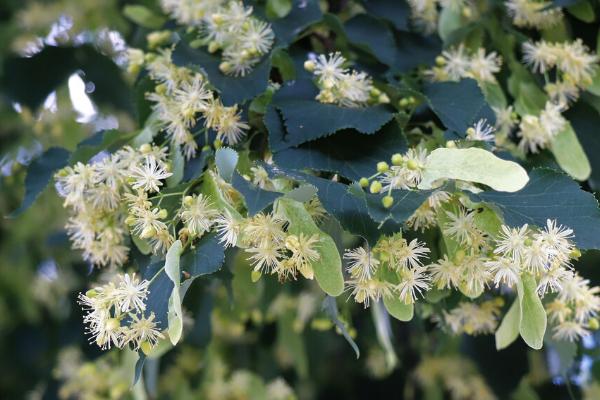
pixel 183 98
pixel 457 63
pixel 95 194
pixel 537 132
pixel 485 262
pixel 116 314
pixel 534 14
pixel 392 269
pixel 341 86
pixel 270 247
pixel 574 63
pixel 226 26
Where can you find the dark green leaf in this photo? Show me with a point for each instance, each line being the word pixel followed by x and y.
pixel 585 121
pixel 205 258
pixel 139 366
pixel 306 119
pixel 226 159
pixel 551 195
pixel 458 104
pixel 395 11
pixel 39 174
pixel 405 204
pixel 278 8
pixel 347 152
pixel 256 199
pixel 232 89
pixel 303 14
pixel 109 140
pixel 29 80
pixel 371 34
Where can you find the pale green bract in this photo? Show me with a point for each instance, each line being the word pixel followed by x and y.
pixel 172 270
pixel 570 155
pixel 473 165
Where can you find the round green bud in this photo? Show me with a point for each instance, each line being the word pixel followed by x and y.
pixel 91 293
pixel 309 65
pixel 188 200
pixel 145 148
pixel 387 201
pixel 213 47
pixel 459 256
pixel 112 324
pixel 218 144
pixel 593 324
pixel 162 214
pixel 130 220
pixel 255 276
pixel 439 60
pixel 382 166
pixel 471 131
pixel 375 92
pixel 528 241
pixel 412 165
pixel 206 148
pixel 397 159
pixel 451 144
pixel 575 253
pixel 403 102
pixel 375 187
pixel 363 182
pixel 225 67
pixel 466 12
pixel 148 232
pixel 146 347
pixel 411 100
pixel 383 98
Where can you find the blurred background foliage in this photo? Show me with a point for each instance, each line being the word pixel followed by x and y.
pixel 269 341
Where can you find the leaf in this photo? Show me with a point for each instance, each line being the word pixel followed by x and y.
pixel 29 80
pixel 473 165
pixel 450 20
pixel 329 306
pixel 566 352
pixel 205 258
pixel 570 155
pixel 585 120
pixel 347 152
pixel 351 211
pixel 395 11
pixel 328 268
pixel 508 331
pixel 550 195
pixel 303 14
pixel 194 167
pixel 458 104
pixel 177 167
pixel 399 309
pixel 139 366
pixel 302 193
pixel 226 159
pixel 256 199
pixel 371 34
pixel 160 291
pixel 143 16
pixel 109 140
pixel 232 89
pixel 172 270
pixel 306 119
pixel 532 323
pixel 405 204
pixel 39 174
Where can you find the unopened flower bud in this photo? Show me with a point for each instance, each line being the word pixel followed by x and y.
pixel 309 65
pixel 162 214
pixel 439 60
pixel 387 201
pixel 188 200
pixel 382 166
pixel 593 324
pixel 375 187
pixel 363 182
pixel 225 67
pixel 383 98
pixel 412 165
pixel 213 47
pixel 145 148
pixel 397 159
pixel 255 276
pixel 148 232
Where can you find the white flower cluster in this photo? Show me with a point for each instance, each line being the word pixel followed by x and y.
pixel 228 26
pixel 574 63
pixel 242 38
pixel 94 193
pixel 340 86
pixel 536 132
pixel 115 314
pixel 271 249
pixel 482 262
pixel 457 63
pixel 392 268
pixel 474 319
pixel 534 13
pixel 182 98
